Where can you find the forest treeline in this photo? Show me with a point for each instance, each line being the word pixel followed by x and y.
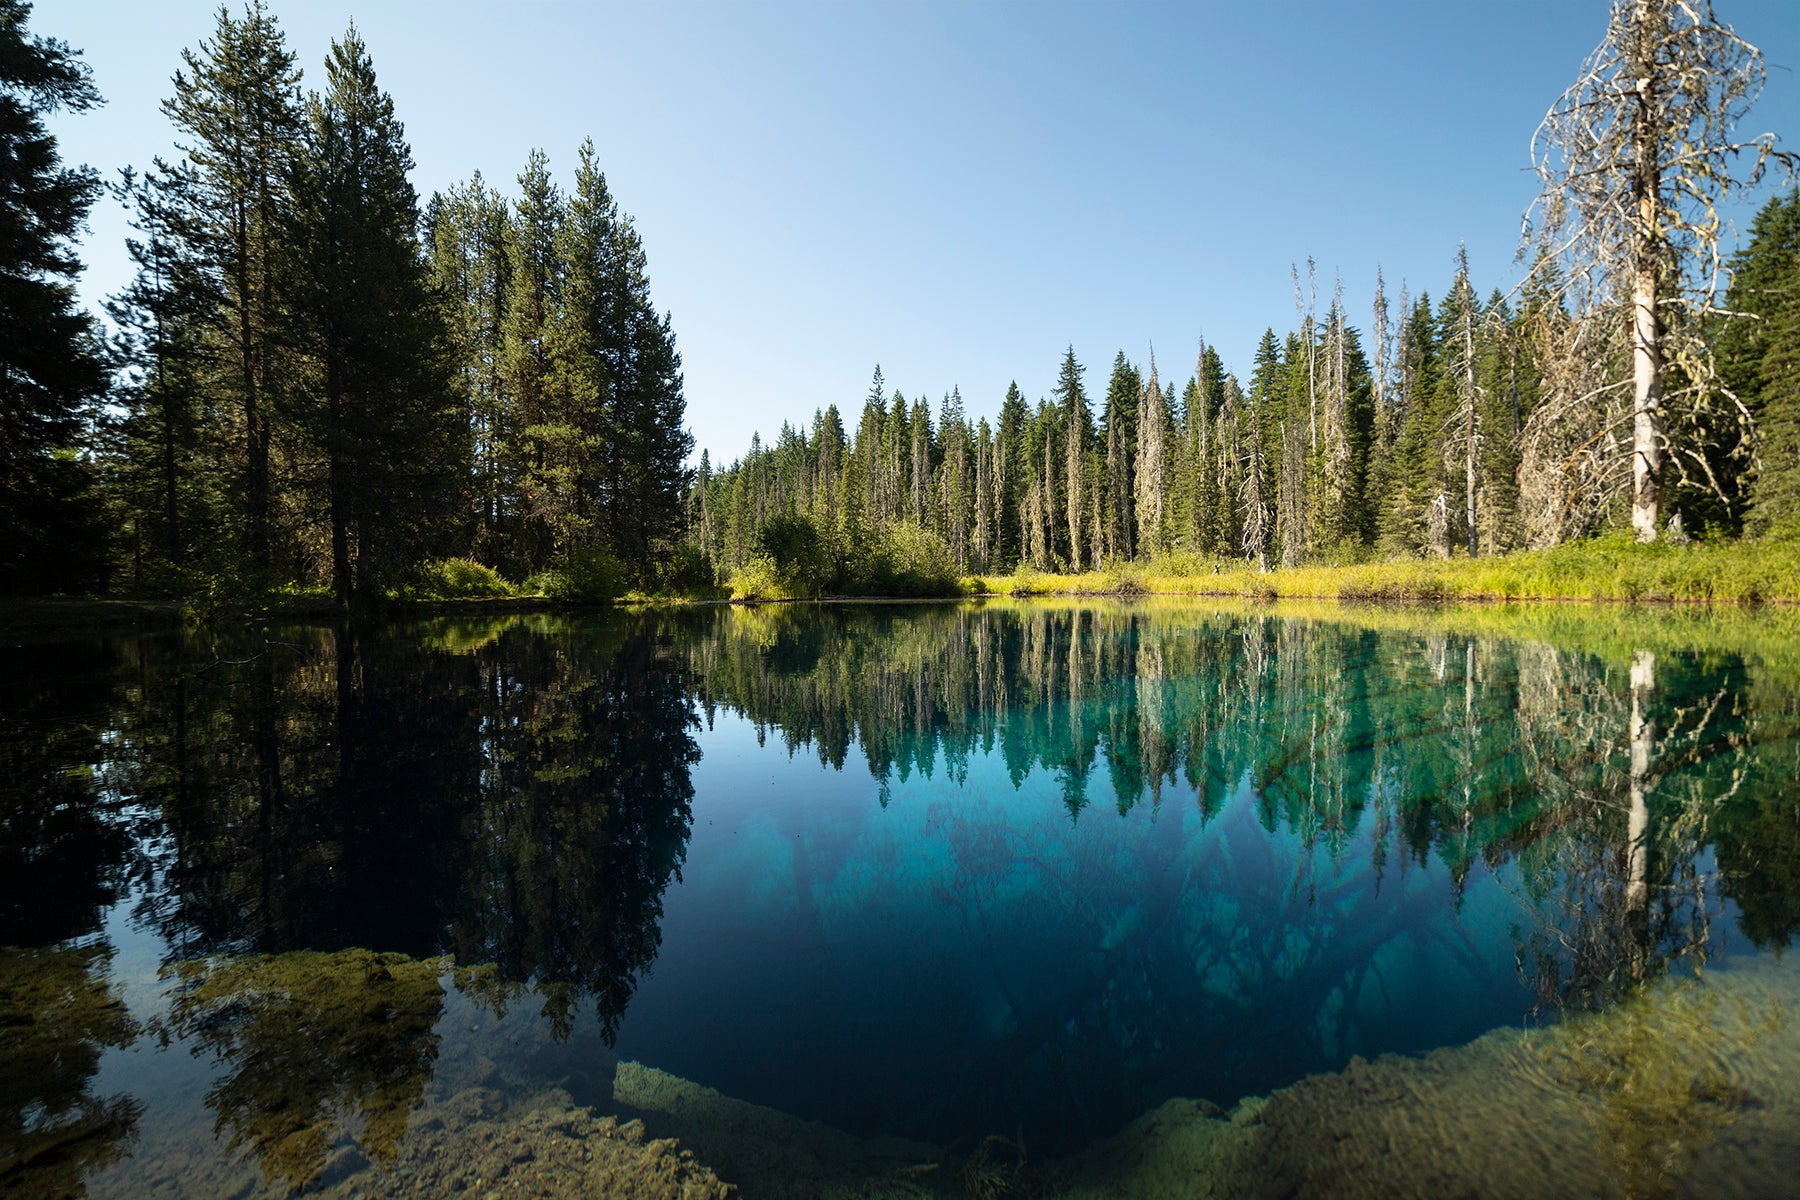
pixel 316 381
pixel 1425 437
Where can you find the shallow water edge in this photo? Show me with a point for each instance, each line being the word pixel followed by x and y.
pixel 1690 1088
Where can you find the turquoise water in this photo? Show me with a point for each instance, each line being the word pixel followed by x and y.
pixel 937 872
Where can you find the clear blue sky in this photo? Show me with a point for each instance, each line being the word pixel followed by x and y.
pixel 956 191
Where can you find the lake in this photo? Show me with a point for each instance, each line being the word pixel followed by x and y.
pixel 1016 897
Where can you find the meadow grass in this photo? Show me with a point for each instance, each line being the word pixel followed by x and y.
pixel 1604 569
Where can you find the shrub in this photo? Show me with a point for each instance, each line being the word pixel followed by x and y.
pixel 584 575
pixel 456 579
pixel 758 579
pixel 686 572
pixel 907 560
pixel 797 555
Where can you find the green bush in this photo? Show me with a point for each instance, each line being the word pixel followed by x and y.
pixel 456 579
pixel 585 575
pixel 758 580
pixel 798 556
pixel 907 560
pixel 686 572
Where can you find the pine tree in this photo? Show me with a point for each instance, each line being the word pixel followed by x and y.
pixel 646 459
pixel 466 227
pixel 1382 475
pixel 1253 491
pixel 1154 433
pixel 1010 469
pixel 956 496
pixel 1118 421
pixel 533 295
pixel 1078 435
pixel 381 410
pixel 50 364
pixel 579 436
pixel 1501 387
pixel 1417 458
pixel 829 450
pixel 1361 517
pixel 1205 490
pixel 1760 358
pixel 237 104
pixel 983 546
pixel 1228 523
pixel 162 316
pixel 1465 362
pixel 920 438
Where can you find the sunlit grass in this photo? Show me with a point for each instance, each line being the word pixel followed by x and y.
pixel 1611 569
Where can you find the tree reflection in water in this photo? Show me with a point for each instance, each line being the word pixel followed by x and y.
pixel 1232 946
pixel 65 857
pixel 339 810
pixel 58 1014
pixel 1266 836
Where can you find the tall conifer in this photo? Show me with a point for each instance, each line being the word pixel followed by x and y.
pixel 50 366
pixel 237 108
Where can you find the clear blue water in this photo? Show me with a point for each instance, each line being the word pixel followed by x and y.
pixel 934 871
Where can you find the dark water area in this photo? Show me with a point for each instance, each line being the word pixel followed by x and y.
pixel 939 872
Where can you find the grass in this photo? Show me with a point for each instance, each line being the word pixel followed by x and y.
pixel 1612 568
pixel 1604 569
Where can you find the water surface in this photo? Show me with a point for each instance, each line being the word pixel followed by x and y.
pixel 943 873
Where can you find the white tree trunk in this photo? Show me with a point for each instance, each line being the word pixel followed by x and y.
pixel 1646 445
pixel 1647 243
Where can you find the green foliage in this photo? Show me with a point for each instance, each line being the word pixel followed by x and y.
pixel 50 364
pixel 584 575
pixel 759 579
pixel 686 573
pixel 793 562
pixel 1760 357
pixel 237 109
pixel 378 402
pixel 456 579
pixel 907 560
pixel 305 390
pixel 797 558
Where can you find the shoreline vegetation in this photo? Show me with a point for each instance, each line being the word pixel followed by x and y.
pixel 1604 571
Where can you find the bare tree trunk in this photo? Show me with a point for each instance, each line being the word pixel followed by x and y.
pixel 1646 247
pixel 1646 446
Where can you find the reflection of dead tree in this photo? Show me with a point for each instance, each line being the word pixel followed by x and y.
pixel 1643 740
pixel 1631 784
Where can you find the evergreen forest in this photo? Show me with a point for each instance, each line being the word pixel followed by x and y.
pixel 319 383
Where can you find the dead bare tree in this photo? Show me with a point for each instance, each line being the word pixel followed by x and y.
pixel 1574 465
pixel 1635 159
